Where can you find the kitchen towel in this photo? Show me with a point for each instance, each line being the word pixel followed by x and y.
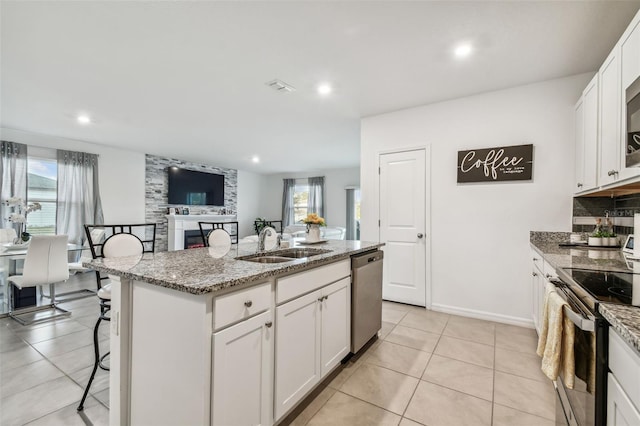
pixel 585 353
pixel 555 344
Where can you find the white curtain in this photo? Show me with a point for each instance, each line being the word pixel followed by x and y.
pixel 289 187
pixel 316 196
pixel 13 177
pixel 78 194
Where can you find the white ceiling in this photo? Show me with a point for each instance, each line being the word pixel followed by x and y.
pixel 186 79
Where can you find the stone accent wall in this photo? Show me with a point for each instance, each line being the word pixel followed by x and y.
pixel 156 192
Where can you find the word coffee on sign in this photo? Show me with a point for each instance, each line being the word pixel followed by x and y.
pixel 495 164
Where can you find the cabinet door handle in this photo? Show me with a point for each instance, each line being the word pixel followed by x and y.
pixel 248 303
pixel 535 259
pixel 579 185
pixel 548 276
pixel 268 324
pixel 320 299
pixel 534 274
pixel 611 172
pixel 420 235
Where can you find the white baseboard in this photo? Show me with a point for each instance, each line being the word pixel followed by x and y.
pixel 488 316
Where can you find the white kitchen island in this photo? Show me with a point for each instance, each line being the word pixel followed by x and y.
pixel 203 341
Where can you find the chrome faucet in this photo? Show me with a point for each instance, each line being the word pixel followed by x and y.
pixel 263 234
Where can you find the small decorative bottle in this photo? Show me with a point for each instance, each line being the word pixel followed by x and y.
pixel 595 239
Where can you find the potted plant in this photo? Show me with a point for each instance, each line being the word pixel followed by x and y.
pixel 259 224
pixel 19 217
pixel 595 239
pixel 612 238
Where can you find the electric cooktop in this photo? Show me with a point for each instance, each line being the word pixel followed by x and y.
pixel 606 286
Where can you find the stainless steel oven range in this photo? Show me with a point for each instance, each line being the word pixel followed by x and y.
pixel 584 289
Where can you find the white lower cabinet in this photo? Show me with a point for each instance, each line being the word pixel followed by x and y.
pixel 335 310
pixel 297 349
pixel 620 409
pixel 538 283
pixel 312 337
pixel 242 373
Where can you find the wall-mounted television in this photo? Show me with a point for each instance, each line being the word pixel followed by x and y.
pixel 193 188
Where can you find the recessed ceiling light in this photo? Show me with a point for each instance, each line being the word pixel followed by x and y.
pixel 463 50
pixel 255 159
pixel 325 89
pixel 83 119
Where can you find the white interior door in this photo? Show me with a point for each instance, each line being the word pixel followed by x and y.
pixel 403 226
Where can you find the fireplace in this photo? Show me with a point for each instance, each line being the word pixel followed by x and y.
pixel 193 239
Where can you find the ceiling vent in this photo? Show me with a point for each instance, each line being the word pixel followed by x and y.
pixel 280 86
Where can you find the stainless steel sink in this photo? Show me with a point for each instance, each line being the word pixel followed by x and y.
pixel 281 256
pixel 265 259
pixel 298 253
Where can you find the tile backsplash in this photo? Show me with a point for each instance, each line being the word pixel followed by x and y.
pixel 620 209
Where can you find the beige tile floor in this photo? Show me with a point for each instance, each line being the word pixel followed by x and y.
pixel 45 367
pixel 427 368
pixel 430 368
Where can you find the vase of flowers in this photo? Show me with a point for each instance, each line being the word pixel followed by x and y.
pixel 19 217
pixel 313 222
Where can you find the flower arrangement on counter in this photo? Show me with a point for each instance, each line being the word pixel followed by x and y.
pixel 19 217
pixel 313 219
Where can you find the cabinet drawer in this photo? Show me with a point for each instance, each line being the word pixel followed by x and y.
pixel 536 259
pixel 549 271
pixel 295 285
pixel 240 305
pixel 624 363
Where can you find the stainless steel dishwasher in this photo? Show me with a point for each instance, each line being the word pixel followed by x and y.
pixel 366 297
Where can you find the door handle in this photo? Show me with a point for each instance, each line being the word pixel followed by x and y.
pixel 420 235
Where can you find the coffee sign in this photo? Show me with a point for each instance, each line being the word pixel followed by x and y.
pixel 495 164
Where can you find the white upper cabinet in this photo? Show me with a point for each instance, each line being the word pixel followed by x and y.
pixel 630 53
pixel 586 143
pixel 590 134
pixel 609 131
pixel 600 116
pixel 579 114
pixel 630 71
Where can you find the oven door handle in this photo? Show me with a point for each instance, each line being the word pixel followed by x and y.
pixel 581 320
pixel 584 324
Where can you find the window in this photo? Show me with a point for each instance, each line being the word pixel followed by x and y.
pixel 42 184
pixel 300 202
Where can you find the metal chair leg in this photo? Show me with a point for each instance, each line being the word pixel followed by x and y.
pixel 96 351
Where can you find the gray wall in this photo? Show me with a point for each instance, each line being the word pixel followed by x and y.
pixel 156 192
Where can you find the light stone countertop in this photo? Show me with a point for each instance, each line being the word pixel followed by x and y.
pixel 546 243
pixel 196 271
pixel 624 319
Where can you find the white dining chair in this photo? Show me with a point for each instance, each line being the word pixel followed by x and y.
pixel 96 235
pixel 44 264
pixel 116 245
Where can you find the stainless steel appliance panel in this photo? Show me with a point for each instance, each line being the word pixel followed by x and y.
pixel 366 298
pixel 585 404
